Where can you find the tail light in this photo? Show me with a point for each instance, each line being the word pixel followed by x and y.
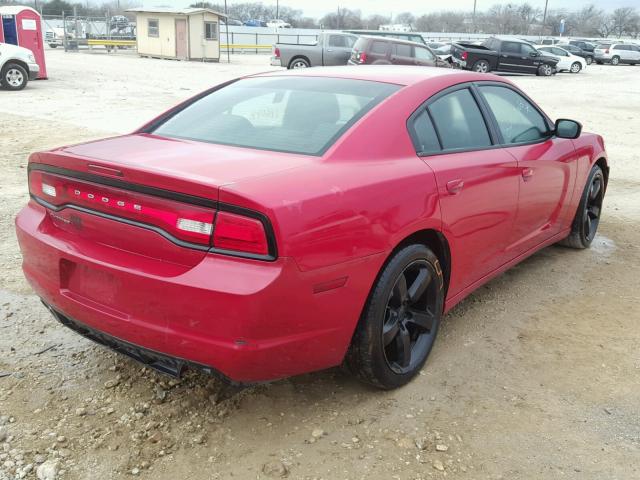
pixel 361 57
pixel 606 51
pixel 239 233
pixel 222 230
pixel 464 55
pixel 276 52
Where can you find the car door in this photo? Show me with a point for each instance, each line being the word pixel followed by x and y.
pixel 563 56
pixel 634 52
pixel 547 165
pixel 477 182
pixel 424 56
pixel 510 60
pixel 338 49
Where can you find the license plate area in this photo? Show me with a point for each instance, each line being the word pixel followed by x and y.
pixel 90 285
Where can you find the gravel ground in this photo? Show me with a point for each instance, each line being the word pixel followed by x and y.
pixel 536 375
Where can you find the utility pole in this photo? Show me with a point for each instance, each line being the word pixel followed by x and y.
pixel 226 25
pixel 544 16
pixel 338 19
pixel 277 9
pixel 474 15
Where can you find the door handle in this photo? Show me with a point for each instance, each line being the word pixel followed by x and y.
pixel 527 173
pixel 455 186
pixel 329 49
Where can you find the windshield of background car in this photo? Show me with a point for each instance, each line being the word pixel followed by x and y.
pixel 288 114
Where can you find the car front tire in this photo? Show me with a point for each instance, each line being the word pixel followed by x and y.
pixel 14 76
pixel 589 60
pixel 575 67
pixel 587 218
pixel 545 70
pixel 615 60
pixel 400 320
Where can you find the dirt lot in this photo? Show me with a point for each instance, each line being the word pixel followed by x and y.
pixel 537 375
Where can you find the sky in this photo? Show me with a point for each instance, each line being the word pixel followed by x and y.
pixel 318 8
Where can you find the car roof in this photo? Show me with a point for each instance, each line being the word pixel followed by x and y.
pixel 382 38
pixel 398 74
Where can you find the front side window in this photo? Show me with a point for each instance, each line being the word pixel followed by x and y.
pixel 211 31
pixel 459 122
pixel 424 54
pixel 518 120
pixel 526 49
pixel 560 52
pixel 153 27
pixel 289 114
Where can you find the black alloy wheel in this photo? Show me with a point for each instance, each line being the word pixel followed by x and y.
pixel 410 324
pixel 587 218
pixel 400 320
pixel 592 209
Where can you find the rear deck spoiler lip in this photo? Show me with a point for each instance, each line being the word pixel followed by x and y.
pixel 170 195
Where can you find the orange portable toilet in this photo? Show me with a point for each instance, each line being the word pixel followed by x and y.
pixel 22 26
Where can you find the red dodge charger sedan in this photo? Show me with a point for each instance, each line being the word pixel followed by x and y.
pixel 288 222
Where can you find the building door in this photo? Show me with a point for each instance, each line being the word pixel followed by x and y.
pixel 182 51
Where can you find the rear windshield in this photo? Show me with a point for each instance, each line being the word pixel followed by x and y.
pixel 288 114
pixel 360 44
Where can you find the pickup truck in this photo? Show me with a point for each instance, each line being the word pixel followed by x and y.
pixel 332 48
pixel 17 66
pixel 503 55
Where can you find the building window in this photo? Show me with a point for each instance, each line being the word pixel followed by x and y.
pixel 153 28
pixel 211 30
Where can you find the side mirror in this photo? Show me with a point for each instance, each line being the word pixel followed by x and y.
pixel 567 128
pixel 535 53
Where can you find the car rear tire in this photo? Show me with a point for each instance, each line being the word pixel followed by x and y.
pixel 589 60
pixel 299 63
pixel 545 70
pixel 481 66
pixel 585 223
pixel 576 67
pixel 615 60
pixel 400 320
pixel 14 77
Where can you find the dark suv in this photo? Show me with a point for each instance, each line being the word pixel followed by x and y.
pixel 369 50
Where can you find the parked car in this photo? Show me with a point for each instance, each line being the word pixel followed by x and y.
pixel 504 55
pixel 408 36
pixel 588 56
pixel 549 41
pixel 288 222
pixel 279 23
pixel 255 23
pixel 230 22
pixel 583 44
pixel 389 51
pixel 331 49
pixel 567 62
pixel 17 66
pixel 617 53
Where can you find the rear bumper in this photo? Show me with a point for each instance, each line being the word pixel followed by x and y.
pixel 276 62
pixel 249 320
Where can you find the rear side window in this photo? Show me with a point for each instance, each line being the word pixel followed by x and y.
pixel 518 120
pixel 402 50
pixel 619 47
pixel 459 122
pixel 340 41
pixel 287 114
pixel 379 47
pixel 510 47
pixel 425 138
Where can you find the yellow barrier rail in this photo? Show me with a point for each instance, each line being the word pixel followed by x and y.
pixel 112 43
